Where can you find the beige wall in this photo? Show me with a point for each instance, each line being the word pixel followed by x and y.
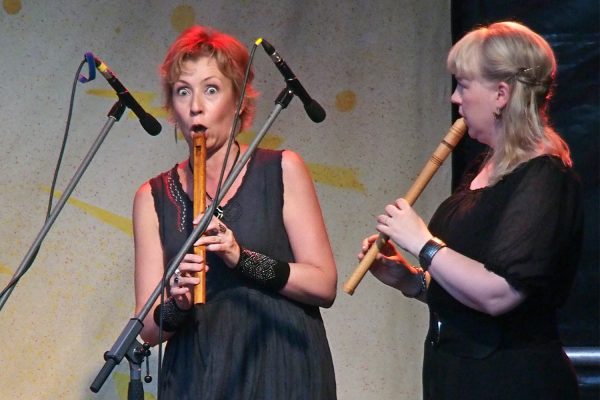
pixel 378 69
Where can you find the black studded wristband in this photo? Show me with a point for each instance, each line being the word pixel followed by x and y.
pixel 428 251
pixel 267 272
pixel 172 316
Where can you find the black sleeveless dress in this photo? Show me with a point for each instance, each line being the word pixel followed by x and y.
pixel 526 228
pixel 245 343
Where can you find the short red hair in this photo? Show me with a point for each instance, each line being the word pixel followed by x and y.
pixel 231 57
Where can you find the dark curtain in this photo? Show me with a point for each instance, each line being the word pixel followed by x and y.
pixel 573 30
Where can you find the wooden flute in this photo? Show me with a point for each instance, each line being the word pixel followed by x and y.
pixel 199 157
pixel 446 146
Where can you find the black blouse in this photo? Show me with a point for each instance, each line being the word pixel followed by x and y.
pixel 527 229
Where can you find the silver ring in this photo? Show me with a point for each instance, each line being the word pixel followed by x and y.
pixel 176 279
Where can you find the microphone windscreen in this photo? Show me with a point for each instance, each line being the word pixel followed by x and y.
pixel 315 112
pixel 150 124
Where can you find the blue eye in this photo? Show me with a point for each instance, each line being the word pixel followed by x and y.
pixel 183 91
pixel 211 90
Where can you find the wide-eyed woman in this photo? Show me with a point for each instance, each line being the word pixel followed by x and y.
pixel 269 264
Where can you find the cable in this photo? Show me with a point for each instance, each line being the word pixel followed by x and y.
pixel 16 279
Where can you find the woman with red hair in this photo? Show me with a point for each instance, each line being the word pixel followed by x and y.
pixel 269 264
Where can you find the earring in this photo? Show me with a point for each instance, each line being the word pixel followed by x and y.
pixel 175 131
pixel 498 113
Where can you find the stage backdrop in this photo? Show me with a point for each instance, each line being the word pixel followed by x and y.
pixel 377 67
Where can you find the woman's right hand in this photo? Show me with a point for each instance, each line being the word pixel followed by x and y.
pixel 389 266
pixel 182 282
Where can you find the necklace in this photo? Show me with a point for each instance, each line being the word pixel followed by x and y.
pixel 219 212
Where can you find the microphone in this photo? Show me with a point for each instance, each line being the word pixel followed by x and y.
pixel 313 109
pixel 149 123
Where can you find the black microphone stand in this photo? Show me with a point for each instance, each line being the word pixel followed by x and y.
pixel 127 339
pixel 114 115
pixel 136 355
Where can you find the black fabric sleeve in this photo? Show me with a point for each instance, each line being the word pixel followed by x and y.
pixel 536 244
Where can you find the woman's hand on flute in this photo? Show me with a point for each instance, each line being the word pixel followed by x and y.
pixel 403 226
pixel 389 266
pixel 220 239
pixel 182 282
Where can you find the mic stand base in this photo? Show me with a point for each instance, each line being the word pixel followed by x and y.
pixel 135 390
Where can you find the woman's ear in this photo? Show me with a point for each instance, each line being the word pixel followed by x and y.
pixel 502 94
pixel 243 107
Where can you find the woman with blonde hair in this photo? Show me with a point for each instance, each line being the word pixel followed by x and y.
pixel 500 254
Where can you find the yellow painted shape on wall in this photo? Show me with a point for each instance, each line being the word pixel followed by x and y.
pixel 343 178
pixel 144 98
pixel 119 222
pixel 121 385
pixel 5 270
pixel 345 101
pixel 12 7
pixel 183 17
pixel 268 142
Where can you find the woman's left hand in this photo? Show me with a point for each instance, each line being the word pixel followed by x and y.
pixel 219 239
pixel 401 223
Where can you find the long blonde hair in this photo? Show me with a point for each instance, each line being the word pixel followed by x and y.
pixel 512 53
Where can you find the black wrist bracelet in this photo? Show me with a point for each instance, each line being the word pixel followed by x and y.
pixel 267 272
pixel 172 316
pixel 422 283
pixel 428 251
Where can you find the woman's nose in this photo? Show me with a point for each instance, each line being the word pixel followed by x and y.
pixel 196 105
pixel 455 98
